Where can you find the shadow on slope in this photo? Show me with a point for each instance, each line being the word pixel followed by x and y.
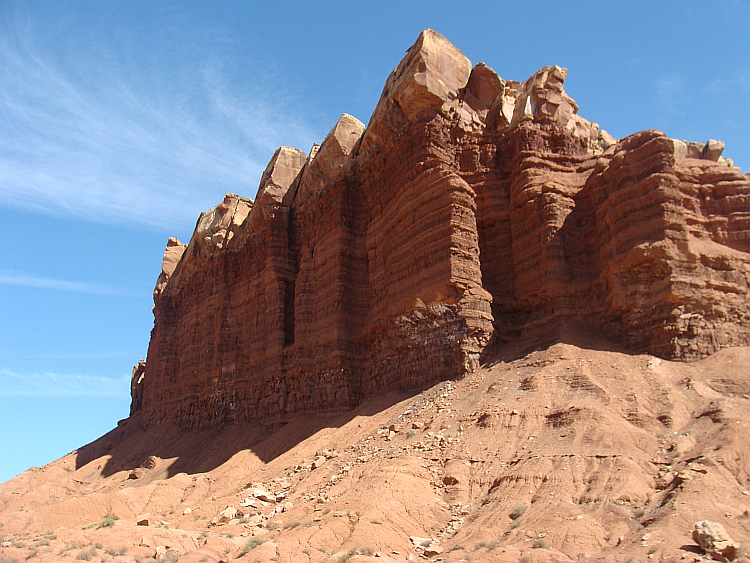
pixel 538 338
pixel 199 451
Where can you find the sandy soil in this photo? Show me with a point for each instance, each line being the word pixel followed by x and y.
pixel 578 451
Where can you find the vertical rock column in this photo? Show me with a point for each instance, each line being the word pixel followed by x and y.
pixel 429 314
pixel 324 357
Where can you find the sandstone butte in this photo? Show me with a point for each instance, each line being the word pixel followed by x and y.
pixel 469 211
pixel 477 329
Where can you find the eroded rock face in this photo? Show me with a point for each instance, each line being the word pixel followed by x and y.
pixel 469 208
pixel 136 383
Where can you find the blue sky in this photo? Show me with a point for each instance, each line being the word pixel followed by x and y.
pixel 121 121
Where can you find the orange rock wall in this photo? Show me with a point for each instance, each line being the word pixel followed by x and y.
pixel 469 208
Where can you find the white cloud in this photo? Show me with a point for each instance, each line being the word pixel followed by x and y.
pixel 49 384
pixel 670 92
pixel 89 139
pixel 10 278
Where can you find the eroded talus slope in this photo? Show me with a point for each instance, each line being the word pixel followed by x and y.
pixel 574 452
pixel 469 209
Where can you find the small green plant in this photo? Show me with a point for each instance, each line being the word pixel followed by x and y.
pixel 456 547
pixel 342 558
pixel 84 555
pixel 480 544
pixel 272 526
pixel 410 433
pixel 107 521
pixel 540 543
pixel 251 544
pixel 517 511
pixel 525 559
pixel 32 552
pixel 515 524
pixel 494 544
pixel 291 525
pixel 367 550
pixel 68 547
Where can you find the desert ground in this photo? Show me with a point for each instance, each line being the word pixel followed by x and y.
pixel 573 450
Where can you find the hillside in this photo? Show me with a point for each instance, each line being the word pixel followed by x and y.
pixel 577 451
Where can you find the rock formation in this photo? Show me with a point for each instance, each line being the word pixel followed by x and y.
pixel 714 540
pixel 469 208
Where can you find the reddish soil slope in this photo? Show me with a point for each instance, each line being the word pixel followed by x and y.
pixel 577 451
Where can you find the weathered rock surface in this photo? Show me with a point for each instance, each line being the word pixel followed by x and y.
pixel 469 208
pixel 714 540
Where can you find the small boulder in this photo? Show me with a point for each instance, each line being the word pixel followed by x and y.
pixel 712 150
pixel 264 496
pixel 138 473
pixel 143 519
pixel 226 515
pixel 317 462
pixel 714 540
pixel 150 462
pixel 432 551
pixel 421 542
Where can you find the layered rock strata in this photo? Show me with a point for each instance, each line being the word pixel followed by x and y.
pixel 469 208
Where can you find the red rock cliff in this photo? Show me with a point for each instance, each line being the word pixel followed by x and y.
pixel 468 207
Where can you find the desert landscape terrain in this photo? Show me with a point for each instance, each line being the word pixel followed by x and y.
pixel 578 451
pixel 478 328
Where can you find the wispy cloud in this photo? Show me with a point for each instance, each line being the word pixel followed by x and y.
pixel 10 278
pixel 49 384
pixel 86 138
pixel 670 92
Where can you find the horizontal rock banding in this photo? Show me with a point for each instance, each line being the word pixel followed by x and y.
pixel 469 207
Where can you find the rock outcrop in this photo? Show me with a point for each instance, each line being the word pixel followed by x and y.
pixel 714 541
pixel 469 208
